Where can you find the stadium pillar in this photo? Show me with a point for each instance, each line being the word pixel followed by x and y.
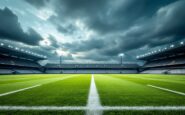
pixel 121 59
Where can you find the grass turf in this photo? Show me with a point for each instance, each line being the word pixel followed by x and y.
pixel 113 89
pixel 130 90
pixel 72 91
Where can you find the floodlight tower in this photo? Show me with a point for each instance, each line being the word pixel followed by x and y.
pixel 121 55
pixel 60 60
pixel 60 57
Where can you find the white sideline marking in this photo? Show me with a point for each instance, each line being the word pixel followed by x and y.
pixel 51 108
pixel 102 108
pixel 93 100
pixel 144 108
pixel 15 91
pixel 169 90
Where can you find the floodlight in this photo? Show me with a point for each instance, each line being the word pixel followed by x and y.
pixel 182 43
pixel 172 46
pixel 121 54
pixel 2 44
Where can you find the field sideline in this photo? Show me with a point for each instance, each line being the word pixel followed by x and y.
pixel 98 94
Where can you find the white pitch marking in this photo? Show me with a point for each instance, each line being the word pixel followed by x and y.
pixel 143 108
pixel 169 90
pixel 51 108
pixel 15 91
pixel 93 100
pixel 11 92
pixel 102 108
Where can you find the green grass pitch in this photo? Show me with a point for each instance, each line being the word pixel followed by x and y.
pixel 73 90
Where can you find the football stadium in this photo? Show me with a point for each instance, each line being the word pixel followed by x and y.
pixel 50 62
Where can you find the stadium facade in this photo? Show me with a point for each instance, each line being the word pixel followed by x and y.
pixel 167 60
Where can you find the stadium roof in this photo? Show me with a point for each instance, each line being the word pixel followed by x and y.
pixel 171 50
pixel 10 50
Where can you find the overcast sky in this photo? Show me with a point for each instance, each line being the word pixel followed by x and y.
pixel 91 30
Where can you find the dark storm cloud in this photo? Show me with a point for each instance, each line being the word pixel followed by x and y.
pixel 53 41
pixel 37 3
pixel 69 29
pixel 108 17
pixel 11 29
pixel 162 24
pixel 120 26
pixel 85 45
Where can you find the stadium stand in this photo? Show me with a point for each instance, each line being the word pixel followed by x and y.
pixel 6 71
pixel 91 68
pixel 17 61
pixel 168 60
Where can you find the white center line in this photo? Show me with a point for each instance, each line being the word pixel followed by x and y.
pixel 19 90
pixel 169 90
pixel 93 100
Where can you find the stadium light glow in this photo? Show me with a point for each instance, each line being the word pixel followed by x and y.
pixel 2 44
pixel 172 46
pixel 121 54
pixel 10 46
pixel 182 43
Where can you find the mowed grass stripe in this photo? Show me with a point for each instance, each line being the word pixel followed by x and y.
pixel 115 90
pixel 69 92
pixel 156 77
pixel 23 78
pixel 28 83
pixel 168 83
pixel 23 89
pixel 10 81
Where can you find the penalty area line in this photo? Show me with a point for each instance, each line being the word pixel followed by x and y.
pixel 19 90
pixel 169 90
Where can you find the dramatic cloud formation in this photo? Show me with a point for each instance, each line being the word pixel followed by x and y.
pixel 37 3
pixel 11 29
pixel 94 30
